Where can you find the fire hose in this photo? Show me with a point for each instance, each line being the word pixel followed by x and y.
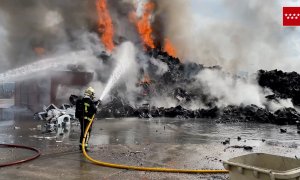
pixel 139 168
pixel 37 154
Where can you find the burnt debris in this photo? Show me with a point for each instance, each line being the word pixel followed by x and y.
pixel 284 85
pixel 177 83
pixel 118 108
pixel 250 113
pixel 230 114
pixel 253 113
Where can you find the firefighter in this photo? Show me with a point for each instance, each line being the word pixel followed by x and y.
pixel 86 108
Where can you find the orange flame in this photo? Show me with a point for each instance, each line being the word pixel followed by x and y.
pixel 105 25
pixel 143 24
pixel 169 48
pixel 146 79
pixel 39 51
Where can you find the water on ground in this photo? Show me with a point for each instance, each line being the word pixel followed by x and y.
pixel 176 143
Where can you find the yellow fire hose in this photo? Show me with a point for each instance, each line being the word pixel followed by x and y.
pixel 138 168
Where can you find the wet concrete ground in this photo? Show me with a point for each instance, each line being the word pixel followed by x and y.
pixel 175 143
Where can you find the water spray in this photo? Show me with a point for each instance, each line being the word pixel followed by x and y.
pixel 44 64
pixel 124 56
pixel 112 80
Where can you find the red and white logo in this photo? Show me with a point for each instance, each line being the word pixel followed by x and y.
pixel 291 16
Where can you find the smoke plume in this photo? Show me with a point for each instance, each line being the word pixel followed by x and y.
pixel 229 90
pixel 247 36
pixel 49 25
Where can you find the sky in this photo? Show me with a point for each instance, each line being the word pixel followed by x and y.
pixel 213 11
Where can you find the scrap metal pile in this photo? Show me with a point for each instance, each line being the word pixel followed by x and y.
pixel 54 117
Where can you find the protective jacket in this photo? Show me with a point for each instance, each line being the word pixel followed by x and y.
pixel 89 107
pixel 86 110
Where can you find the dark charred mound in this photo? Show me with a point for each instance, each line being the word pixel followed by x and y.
pixel 284 85
pixel 253 113
pixel 118 108
pixel 178 72
pixel 250 113
pixel 230 114
pixel 286 116
pixel 178 80
pixel 181 112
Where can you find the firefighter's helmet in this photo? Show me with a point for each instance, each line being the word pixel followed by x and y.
pixel 90 92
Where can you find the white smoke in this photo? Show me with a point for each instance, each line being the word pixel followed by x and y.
pixel 161 67
pixel 140 7
pixel 229 90
pixel 53 18
pixel 164 101
pixel 279 104
pixel 51 25
pixel 244 35
pixel 194 105
pixel 64 92
pixel 4 43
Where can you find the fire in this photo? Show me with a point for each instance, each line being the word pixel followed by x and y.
pixel 143 24
pixel 105 25
pixel 39 51
pixel 146 79
pixel 169 48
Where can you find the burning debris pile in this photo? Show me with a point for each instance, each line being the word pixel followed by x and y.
pixel 178 82
pixel 160 80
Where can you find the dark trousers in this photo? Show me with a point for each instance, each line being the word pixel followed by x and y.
pixel 83 125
